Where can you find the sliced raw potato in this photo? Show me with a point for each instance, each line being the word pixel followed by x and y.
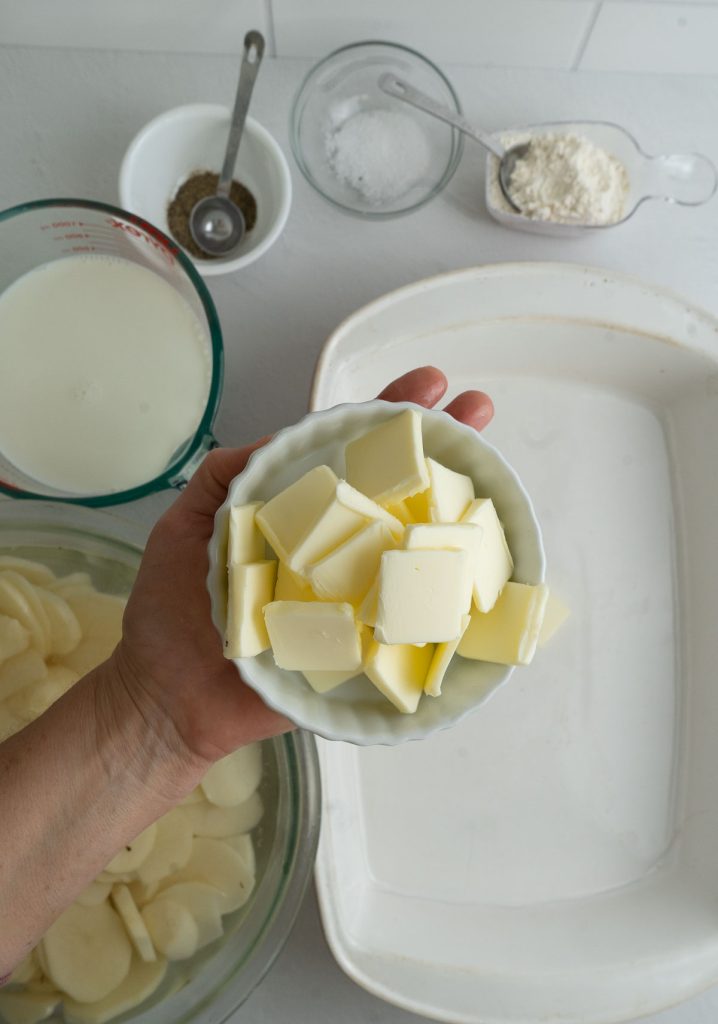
pixel 20 671
pixel 33 701
pixel 127 909
pixel 216 822
pixel 14 638
pixel 15 604
pixel 204 902
pixel 33 571
pixel 232 780
pixel 65 631
pixel 132 854
pixel 27 970
pixel 140 982
pixel 96 892
pixel 172 927
pixel 171 849
pixel 215 862
pixel 245 848
pixel 100 618
pixel 86 952
pixel 27 1007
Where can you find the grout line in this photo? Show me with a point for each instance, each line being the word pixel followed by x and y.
pixel 586 36
pixel 271 35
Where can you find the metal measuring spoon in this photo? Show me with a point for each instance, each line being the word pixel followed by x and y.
pixel 507 158
pixel 216 223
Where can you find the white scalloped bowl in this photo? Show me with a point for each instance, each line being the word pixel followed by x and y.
pixel 356 712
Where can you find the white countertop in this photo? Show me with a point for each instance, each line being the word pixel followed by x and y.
pixel 67 117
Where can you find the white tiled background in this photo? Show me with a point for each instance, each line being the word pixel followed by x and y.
pixel 675 36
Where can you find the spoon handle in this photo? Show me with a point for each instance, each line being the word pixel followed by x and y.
pixel 401 90
pixel 251 59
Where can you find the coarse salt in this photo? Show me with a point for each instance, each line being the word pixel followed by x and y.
pixel 565 178
pixel 380 153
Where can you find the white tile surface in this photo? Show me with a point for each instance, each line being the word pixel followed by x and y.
pixel 526 33
pixel 169 26
pixel 681 38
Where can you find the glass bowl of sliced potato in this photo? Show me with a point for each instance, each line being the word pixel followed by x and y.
pixel 187 919
pixel 377 572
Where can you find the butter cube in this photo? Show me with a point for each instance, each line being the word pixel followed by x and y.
pixel 554 617
pixel 368 608
pixel 440 662
pixel 308 635
pixel 287 517
pixel 423 596
pixel 347 573
pixel 387 463
pixel 349 497
pixel 324 682
pixel 450 493
pixel 509 632
pixel 250 587
pixel 246 543
pixel 445 537
pixel 495 564
pixel 291 586
pixel 399 672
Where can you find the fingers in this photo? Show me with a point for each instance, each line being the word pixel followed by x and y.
pixel 425 386
pixel 208 487
pixel 473 408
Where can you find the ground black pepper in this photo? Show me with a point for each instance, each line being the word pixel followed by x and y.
pixel 198 186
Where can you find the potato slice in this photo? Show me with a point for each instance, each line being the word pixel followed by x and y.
pixel 19 594
pixel 204 902
pixel 141 981
pixel 86 952
pixel 232 780
pixel 100 618
pixel 21 671
pixel 14 638
pixel 132 854
pixel 35 572
pixel 245 848
pixel 171 849
pixel 218 864
pixel 127 909
pixel 172 927
pixel 32 701
pixel 27 970
pixel 216 822
pixel 27 1007
pixel 65 632
pixel 96 892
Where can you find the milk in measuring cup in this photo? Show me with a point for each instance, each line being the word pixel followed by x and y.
pixel 105 372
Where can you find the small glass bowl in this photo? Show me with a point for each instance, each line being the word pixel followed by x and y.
pixel 688 179
pixel 344 84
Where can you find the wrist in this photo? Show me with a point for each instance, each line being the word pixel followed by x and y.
pixel 135 735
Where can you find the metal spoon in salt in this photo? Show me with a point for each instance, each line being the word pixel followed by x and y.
pixel 216 223
pixel 507 158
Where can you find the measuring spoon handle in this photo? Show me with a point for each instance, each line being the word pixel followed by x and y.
pixel 401 90
pixel 251 59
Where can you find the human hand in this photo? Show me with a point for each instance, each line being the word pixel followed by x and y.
pixel 169 664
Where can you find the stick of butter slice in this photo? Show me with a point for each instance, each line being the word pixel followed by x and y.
pixel 347 572
pixel 508 634
pixel 308 635
pixel 246 543
pixel 440 662
pixel 450 493
pixel 251 586
pixel 495 564
pixel 423 596
pixel 399 672
pixel 387 463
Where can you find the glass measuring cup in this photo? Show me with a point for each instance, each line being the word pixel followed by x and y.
pixel 688 179
pixel 38 233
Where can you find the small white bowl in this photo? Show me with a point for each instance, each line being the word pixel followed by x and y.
pixel 181 141
pixel 356 711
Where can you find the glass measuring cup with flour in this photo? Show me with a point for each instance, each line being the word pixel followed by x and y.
pixel 110 356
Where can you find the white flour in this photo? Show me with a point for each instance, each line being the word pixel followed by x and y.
pixel 564 178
